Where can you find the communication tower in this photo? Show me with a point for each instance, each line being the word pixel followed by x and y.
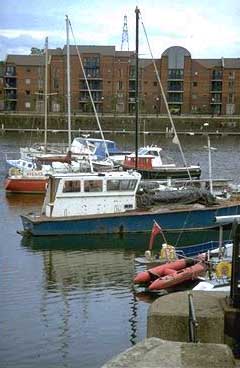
pixel 125 34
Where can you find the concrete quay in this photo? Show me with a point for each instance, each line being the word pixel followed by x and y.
pixel 167 339
pixel 157 353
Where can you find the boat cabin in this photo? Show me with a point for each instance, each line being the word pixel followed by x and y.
pixel 149 157
pixel 23 165
pixel 82 146
pixel 91 193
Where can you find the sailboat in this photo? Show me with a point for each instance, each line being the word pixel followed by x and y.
pixel 35 181
pixel 147 160
pixel 108 202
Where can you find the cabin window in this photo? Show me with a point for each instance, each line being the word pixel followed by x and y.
pixel 71 186
pixel 121 185
pixel 153 153
pixel 93 186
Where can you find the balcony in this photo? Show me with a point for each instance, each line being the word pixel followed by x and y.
pixel 11 96
pixel 217 99
pixel 175 74
pixel 10 74
pixel 175 86
pixel 94 85
pixel 217 75
pixel 97 97
pixel 175 98
pixel 10 83
pixel 216 87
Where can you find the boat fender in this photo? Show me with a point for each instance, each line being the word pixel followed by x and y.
pixel 13 171
pixel 168 252
pixel 223 269
pixel 148 255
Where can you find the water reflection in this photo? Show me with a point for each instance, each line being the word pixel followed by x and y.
pixel 73 296
pixel 24 200
pixel 88 282
pixel 136 241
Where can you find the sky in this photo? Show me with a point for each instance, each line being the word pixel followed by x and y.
pixel 207 28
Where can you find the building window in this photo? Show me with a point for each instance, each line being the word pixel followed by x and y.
pixel 27 81
pixel 55 107
pixel 120 85
pixel 231 83
pixel 231 75
pixel 55 83
pixel 27 92
pixel 40 83
pixel 28 70
pixel 194 84
pixel 155 84
pixel 40 94
pixel 27 105
pixel 231 98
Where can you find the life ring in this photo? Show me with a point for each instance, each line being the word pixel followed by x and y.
pixel 223 269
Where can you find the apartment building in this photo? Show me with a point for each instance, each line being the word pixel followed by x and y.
pixel 192 86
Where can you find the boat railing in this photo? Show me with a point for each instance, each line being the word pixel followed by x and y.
pixel 192 321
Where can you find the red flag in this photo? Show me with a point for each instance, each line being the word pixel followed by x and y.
pixel 156 229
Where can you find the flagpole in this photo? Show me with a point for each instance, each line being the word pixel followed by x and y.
pixel 164 238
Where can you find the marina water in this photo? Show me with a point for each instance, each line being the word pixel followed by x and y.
pixel 69 301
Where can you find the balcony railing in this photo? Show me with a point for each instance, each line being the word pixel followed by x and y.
pixel 10 74
pixel 175 98
pixel 12 96
pixel 175 74
pixel 216 89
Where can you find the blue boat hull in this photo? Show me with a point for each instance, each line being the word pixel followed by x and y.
pixel 134 222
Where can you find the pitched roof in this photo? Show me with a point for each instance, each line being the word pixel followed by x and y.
pixel 25 60
pixel 230 63
pixel 91 49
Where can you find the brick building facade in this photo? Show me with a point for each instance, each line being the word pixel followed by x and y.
pixel 192 86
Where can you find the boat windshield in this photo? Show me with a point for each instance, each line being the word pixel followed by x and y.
pixel 143 151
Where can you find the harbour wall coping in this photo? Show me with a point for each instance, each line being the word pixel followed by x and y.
pixel 157 353
pixel 148 124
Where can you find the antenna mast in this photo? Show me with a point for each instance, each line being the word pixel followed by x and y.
pixel 125 34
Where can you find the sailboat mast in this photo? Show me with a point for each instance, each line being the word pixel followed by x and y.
pixel 46 96
pixel 68 87
pixel 137 11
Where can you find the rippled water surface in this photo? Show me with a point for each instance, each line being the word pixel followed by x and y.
pixel 69 302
